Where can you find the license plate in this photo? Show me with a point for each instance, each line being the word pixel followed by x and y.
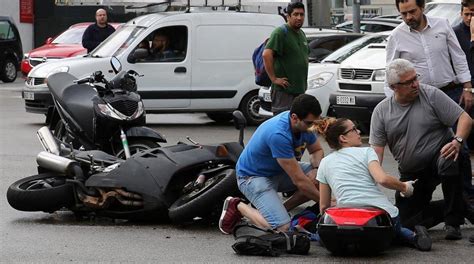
pixel 267 97
pixel 345 100
pixel 28 96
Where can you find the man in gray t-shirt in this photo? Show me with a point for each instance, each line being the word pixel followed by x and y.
pixel 419 135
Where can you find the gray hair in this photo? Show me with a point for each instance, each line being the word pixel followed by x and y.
pixel 396 68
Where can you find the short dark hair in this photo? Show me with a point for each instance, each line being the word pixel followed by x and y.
pixel 420 3
pixel 466 3
pixel 293 6
pixel 305 104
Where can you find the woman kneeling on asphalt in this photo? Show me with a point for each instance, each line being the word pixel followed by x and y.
pixel 352 173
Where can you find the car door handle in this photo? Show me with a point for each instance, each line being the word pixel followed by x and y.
pixel 180 70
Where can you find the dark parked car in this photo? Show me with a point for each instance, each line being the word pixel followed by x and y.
pixel 11 51
pixel 322 45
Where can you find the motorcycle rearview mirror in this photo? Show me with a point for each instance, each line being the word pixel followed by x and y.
pixel 240 123
pixel 116 65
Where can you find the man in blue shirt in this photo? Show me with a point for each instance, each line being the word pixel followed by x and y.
pixel 270 163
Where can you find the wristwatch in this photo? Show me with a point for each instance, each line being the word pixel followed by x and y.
pixel 468 89
pixel 458 139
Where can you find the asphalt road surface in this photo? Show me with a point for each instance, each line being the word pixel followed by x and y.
pixel 58 238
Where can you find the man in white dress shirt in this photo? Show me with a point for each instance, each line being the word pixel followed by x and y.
pixel 431 45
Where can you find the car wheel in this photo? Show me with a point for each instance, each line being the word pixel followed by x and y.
pixel 9 71
pixel 249 107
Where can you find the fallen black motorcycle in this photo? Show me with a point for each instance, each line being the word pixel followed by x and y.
pixel 96 114
pixel 182 182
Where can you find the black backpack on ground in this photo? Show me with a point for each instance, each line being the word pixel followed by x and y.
pixel 252 240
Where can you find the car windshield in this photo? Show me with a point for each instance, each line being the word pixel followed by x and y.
pixel 70 36
pixel 118 42
pixel 451 12
pixel 347 50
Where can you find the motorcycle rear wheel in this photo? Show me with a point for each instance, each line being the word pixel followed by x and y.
pixel 200 203
pixel 44 192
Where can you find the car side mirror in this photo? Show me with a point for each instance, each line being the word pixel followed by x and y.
pixel 49 40
pixel 137 54
pixel 116 65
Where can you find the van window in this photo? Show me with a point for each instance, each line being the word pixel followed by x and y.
pixel 229 42
pixel 6 31
pixel 167 44
pixel 118 42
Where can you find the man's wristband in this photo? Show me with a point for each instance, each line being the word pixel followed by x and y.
pixel 467 89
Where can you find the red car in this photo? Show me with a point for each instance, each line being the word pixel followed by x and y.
pixel 67 44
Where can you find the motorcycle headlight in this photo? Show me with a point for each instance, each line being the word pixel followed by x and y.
pixel 59 69
pixel 108 110
pixel 379 75
pixel 26 56
pixel 319 80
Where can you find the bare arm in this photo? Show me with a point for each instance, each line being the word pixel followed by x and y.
pixel 299 179
pixel 451 149
pixel 325 197
pixel 316 153
pixel 379 150
pixel 268 61
pixel 382 178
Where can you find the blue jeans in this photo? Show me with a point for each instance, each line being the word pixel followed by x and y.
pixel 402 234
pixel 262 192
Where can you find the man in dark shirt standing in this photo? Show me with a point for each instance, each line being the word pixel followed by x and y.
pixel 465 35
pixel 98 32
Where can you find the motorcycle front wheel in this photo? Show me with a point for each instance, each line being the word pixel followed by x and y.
pixel 200 203
pixel 135 145
pixel 44 192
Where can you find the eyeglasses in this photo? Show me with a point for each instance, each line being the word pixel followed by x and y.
pixel 350 130
pixel 410 82
pixel 308 122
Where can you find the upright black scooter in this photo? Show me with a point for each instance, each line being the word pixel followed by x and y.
pixel 96 114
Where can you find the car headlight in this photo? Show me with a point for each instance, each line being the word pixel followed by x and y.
pixel 379 75
pixel 59 69
pixel 319 80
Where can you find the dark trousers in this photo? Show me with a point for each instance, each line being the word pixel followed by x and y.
pixel 465 160
pixel 419 209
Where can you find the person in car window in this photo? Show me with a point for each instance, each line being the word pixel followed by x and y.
pixel 286 59
pixel 270 164
pixel 98 32
pixel 160 48
pixel 416 125
pixel 352 173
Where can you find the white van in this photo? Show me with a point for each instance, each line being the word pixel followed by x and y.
pixel 211 72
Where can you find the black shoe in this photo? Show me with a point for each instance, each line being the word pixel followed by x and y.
pixel 422 238
pixel 471 239
pixel 453 232
pixel 470 216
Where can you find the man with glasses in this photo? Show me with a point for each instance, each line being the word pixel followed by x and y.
pixel 419 135
pixel 431 45
pixel 270 163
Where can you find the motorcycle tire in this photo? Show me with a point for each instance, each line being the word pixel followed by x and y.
pixel 43 192
pixel 135 145
pixel 201 203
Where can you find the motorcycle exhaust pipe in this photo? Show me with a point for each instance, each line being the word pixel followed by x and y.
pixel 47 140
pixel 56 163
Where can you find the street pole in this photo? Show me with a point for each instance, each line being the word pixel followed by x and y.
pixel 356 16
